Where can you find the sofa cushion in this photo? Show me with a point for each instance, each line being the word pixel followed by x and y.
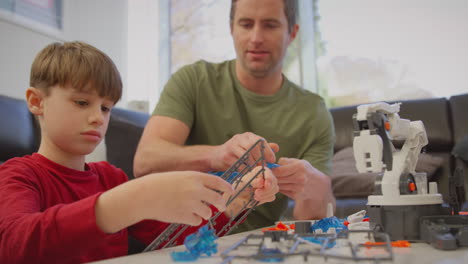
pixel 435 114
pixel 460 150
pixel 19 135
pixel 348 182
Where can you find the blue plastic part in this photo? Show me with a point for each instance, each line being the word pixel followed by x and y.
pixel 328 222
pixel 272 165
pixel 197 244
pixel 320 241
pixel 271 251
pixel 183 256
pixel 220 173
pixel 234 174
pixel 202 242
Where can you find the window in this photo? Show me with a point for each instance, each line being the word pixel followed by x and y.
pixel 41 15
pixel 200 30
pixel 392 49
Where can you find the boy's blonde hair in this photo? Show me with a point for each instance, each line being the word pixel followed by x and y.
pixel 79 64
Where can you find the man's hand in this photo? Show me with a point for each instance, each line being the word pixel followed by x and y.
pixel 227 154
pixel 311 188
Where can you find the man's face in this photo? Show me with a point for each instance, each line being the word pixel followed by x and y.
pixel 73 122
pixel 261 37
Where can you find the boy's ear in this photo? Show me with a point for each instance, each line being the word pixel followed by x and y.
pixel 34 99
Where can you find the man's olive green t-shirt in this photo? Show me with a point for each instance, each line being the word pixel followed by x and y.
pixel 209 99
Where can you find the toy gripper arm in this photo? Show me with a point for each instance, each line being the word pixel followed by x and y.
pixel 372 144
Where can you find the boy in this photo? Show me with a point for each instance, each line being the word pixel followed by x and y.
pixel 57 208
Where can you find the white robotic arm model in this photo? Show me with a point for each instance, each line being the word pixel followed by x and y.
pixel 375 126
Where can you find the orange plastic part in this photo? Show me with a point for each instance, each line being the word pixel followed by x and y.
pixel 387 126
pixel 398 243
pixel 279 227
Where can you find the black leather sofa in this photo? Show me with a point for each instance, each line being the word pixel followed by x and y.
pixel 445 120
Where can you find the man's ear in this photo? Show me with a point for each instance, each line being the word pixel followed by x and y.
pixel 293 33
pixel 34 99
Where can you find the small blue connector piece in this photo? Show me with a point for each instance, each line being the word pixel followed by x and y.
pixel 272 165
pixel 197 244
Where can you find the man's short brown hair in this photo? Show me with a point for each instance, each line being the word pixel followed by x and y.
pixel 78 64
pixel 290 10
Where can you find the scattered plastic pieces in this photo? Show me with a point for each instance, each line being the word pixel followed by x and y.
pixel 326 223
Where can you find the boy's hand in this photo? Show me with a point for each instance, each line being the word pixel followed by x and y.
pixel 264 190
pixel 176 197
pixel 184 197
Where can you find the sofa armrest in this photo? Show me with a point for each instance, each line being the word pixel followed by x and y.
pixel 123 134
pixel 19 134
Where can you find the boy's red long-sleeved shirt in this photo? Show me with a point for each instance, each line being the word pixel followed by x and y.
pixel 47 213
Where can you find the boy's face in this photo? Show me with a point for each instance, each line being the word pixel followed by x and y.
pixel 73 122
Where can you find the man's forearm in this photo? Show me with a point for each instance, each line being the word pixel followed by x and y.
pixel 163 156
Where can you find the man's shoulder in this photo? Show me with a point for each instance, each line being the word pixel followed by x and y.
pixel 304 94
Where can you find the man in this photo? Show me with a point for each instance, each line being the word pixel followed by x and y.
pixel 210 114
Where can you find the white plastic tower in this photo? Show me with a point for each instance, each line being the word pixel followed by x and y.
pixel 379 124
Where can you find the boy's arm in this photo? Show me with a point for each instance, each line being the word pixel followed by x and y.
pixel 264 191
pixel 176 197
pixel 30 235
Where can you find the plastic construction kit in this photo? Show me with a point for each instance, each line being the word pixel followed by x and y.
pixel 277 246
pixel 327 238
pixel 234 175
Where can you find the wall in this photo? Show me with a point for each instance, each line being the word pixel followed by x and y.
pixel 18 47
pixel 101 23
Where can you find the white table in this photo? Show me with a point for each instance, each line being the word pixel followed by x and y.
pixel 417 253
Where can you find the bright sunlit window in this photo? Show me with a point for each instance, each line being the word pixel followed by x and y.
pixel 392 49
